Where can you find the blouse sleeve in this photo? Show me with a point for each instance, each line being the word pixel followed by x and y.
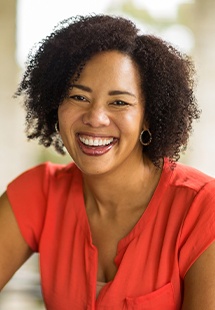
pixel 27 195
pixel 198 231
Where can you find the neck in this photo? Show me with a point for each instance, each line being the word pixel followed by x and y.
pixel 116 191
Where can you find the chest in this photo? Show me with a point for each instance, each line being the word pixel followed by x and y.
pixel 131 262
pixel 106 234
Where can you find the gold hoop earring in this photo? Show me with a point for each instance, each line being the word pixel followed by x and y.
pixel 56 126
pixel 145 137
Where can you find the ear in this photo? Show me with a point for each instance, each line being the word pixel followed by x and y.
pixel 145 125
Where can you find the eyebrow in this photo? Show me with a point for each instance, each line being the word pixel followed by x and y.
pixel 111 92
pixel 120 92
pixel 82 87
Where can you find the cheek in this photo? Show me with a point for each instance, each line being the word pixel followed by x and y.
pixel 132 122
pixel 63 111
pixel 67 116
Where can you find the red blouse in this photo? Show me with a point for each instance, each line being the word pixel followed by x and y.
pixel 152 260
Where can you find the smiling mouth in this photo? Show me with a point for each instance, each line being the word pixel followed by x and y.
pixel 95 146
pixel 90 141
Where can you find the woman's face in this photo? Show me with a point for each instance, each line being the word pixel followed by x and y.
pixel 101 118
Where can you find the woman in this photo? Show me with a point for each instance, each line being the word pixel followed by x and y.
pixel 124 226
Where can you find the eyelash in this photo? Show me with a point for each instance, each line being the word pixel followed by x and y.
pixel 78 98
pixel 120 103
pixel 115 103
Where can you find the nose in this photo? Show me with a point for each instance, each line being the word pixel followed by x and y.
pixel 96 117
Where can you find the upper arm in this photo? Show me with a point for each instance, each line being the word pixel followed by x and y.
pixel 199 282
pixel 14 250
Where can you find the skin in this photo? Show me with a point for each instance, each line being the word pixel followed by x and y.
pixel 111 178
pixel 199 283
pixel 105 102
pixel 14 251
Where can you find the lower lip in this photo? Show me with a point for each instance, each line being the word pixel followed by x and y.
pixel 95 150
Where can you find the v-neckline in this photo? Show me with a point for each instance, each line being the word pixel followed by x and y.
pixel 145 217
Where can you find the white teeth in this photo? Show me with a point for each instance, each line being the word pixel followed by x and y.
pixel 90 142
pixel 95 142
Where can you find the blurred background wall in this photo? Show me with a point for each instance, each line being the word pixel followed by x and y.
pixel 189 25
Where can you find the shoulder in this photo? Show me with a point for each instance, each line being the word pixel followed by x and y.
pixel 36 191
pixel 39 178
pixel 192 179
pixel 193 193
pixel 49 170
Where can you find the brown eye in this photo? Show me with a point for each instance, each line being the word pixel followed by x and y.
pixel 120 103
pixel 78 98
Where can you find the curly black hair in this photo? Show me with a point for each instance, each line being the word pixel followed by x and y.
pixel 166 79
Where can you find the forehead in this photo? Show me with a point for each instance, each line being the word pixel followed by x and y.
pixel 111 67
pixel 108 58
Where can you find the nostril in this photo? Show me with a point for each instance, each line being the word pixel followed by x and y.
pixel 96 118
